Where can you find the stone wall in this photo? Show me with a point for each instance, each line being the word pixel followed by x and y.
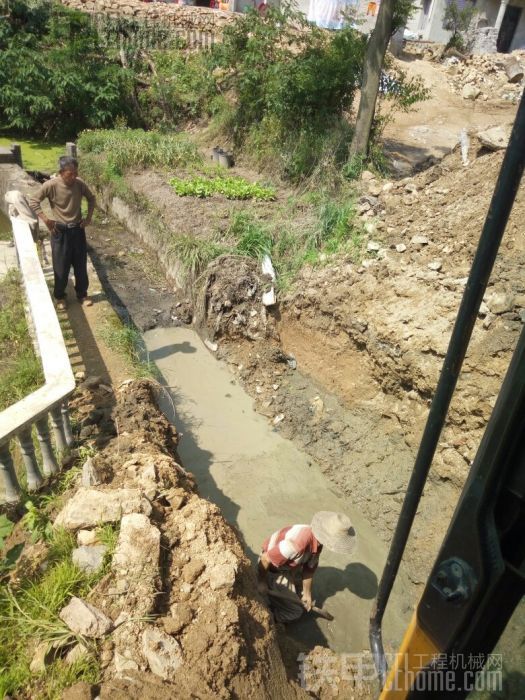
pixel 181 18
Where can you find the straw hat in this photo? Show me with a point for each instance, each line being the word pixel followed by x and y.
pixel 334 531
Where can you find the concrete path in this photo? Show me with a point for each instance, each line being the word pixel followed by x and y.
pixel 263 482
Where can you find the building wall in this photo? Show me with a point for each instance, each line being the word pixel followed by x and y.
pixel 433 30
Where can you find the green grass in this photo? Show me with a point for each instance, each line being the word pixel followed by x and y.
pixel 196 254
pixel 135 148
pixel 127 340
pixel 20 369
pixel 28 617
pixel 37 155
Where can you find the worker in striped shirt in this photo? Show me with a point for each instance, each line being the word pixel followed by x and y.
pixel 290 557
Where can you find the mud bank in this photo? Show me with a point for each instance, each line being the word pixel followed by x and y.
pixel 179 600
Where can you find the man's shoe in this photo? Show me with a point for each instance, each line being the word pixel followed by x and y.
pixel 61 305
pixel 86 301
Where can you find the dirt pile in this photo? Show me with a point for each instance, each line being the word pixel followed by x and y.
pixel 484 77
pixel 230 302
pixel 176 613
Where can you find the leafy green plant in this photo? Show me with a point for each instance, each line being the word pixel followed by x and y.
pixel 231 187
pixel 37 522
pixel 55 77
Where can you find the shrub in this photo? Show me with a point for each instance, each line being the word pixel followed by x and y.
pixel 292 85
pixel 55 78
pixel 457 20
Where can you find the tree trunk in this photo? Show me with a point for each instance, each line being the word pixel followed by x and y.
pixel 375 54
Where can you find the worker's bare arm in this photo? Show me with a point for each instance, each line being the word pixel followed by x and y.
pixel 306 597
pixel 262 572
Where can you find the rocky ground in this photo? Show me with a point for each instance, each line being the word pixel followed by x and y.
pixel 371 339
pixel 487 77
pixel 177 611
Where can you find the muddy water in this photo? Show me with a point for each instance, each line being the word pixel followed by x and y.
pixel 263 482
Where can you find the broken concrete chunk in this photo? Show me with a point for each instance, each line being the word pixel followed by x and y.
pixel 375 188
pixel 435 265
pixel 89 508
pixel 222 576
pixel 40 656
pixel 89 558
pixel 86 537
pixel 162 652
pixel 373 246
pixel 419 240
pixel 495 138
pixel 470 92
pixel 83 618
pixel 89 474
pixel 500 303
pixel 138 549
pixel 75 654
pixel 401 247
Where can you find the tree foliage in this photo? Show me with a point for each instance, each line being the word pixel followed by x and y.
pixel 457 20
pixel 55 78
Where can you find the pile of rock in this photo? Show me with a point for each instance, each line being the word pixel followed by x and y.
pixel 176 605
pixel 489 76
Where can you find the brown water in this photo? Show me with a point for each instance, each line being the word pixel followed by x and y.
pixel 263 482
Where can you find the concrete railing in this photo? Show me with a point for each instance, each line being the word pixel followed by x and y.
pixel 50 401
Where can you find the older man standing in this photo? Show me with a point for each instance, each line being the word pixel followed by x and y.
pixel 67 228
pixel 290 557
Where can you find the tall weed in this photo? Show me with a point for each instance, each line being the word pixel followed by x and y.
pixel 131 148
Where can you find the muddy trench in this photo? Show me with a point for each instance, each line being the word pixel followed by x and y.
pixel 325 424
pixel 331 406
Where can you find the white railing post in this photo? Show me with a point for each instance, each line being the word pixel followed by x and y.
pixel 66 422
pixel 34 478
pixel 7 470
pixel 17 420
pixel 49 462
pixel 57 425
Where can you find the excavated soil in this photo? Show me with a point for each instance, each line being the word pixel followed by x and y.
pixel 202 591
pixel 368 340
pixel 371 340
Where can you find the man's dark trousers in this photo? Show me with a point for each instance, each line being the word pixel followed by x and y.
pixel 68 247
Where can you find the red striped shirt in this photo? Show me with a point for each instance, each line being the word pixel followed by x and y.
pixel 293 546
